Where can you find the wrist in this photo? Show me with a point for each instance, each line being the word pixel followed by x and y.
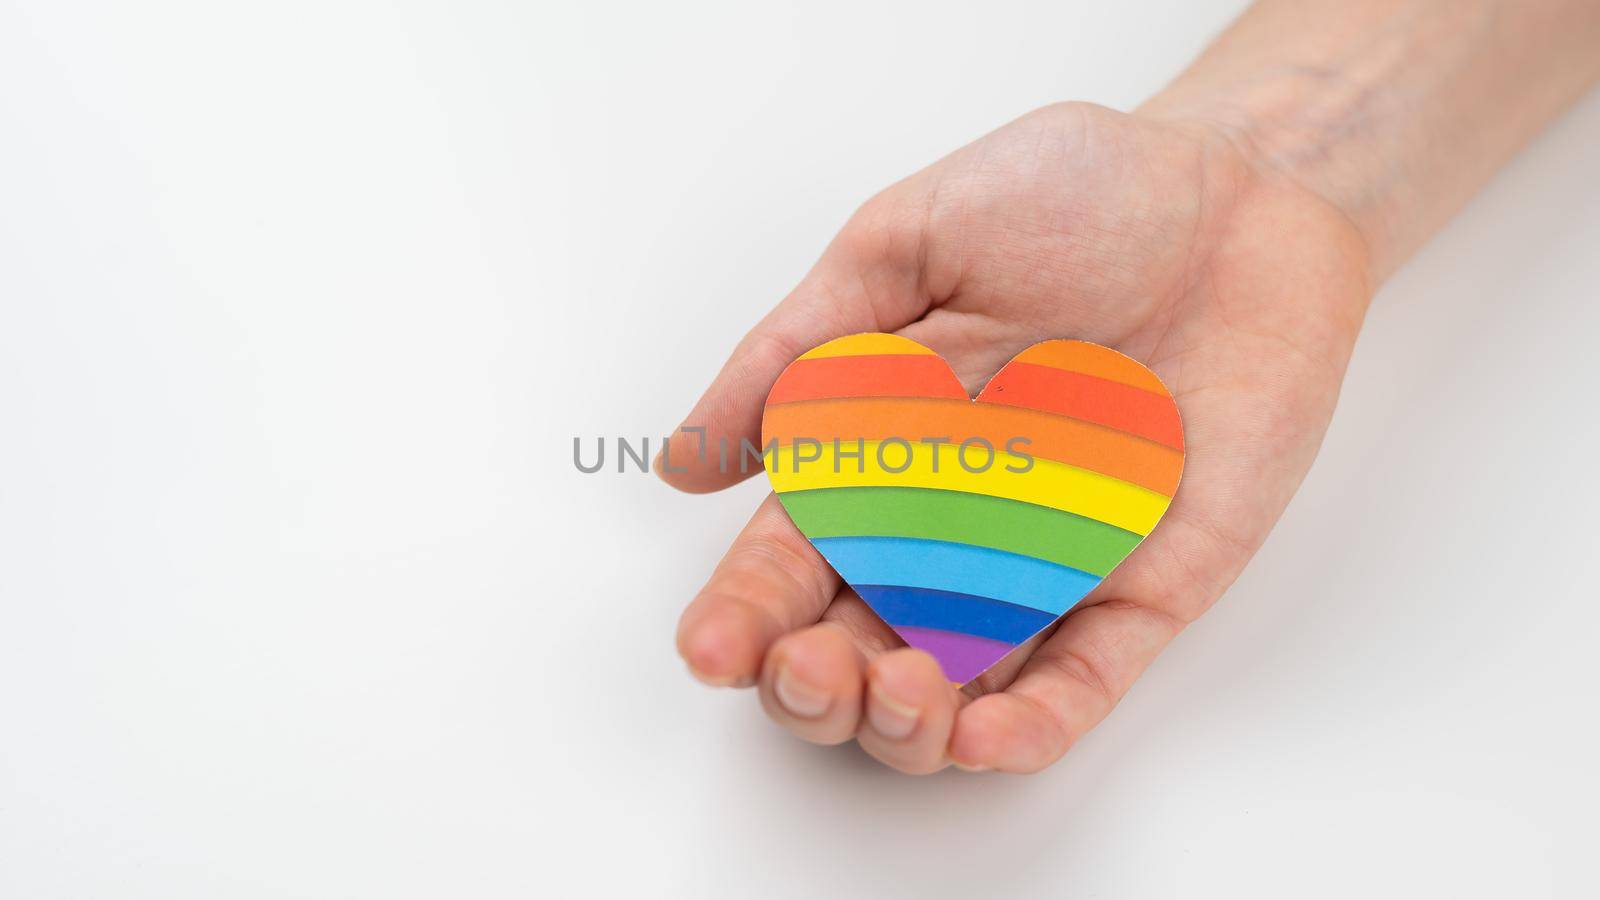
pixel 1291 130
pixel 1392 111
pixel 1246 149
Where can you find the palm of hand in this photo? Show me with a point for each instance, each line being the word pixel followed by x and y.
pixel 1241 290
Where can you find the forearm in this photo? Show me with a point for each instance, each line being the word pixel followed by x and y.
pixel 1395 111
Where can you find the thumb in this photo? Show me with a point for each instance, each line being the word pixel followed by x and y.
pixel 869 279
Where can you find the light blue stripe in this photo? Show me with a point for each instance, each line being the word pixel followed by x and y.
pixel 960 568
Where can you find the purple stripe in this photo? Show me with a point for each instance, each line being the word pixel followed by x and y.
pixel 963 656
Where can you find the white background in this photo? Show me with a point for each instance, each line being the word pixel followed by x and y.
pixel 302 304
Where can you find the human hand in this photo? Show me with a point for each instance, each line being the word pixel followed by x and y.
pixel 1163 239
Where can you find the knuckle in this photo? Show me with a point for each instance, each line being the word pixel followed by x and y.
pixel 738 600
pixel 1060 737
pixel 776 568
pixel 765 346
pixel 1081 667
pixel 880 226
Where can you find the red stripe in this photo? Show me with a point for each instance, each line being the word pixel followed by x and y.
pixel 867 376
pixel 1088 398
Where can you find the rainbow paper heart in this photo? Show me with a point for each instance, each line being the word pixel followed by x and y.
pixel 970 526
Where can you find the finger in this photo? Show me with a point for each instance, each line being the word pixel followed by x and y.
pixel 813 679
pixel 812 682
pixel 771 582
pixel 1069 684
pixel 998 676
pixel 867 280
pixel 910 707
pixel 871 634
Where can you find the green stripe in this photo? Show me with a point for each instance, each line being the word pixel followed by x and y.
pixel 1010 525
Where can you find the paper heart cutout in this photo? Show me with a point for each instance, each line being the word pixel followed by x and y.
pixel 880 461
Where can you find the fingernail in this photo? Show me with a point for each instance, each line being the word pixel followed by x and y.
pixel 890 717
pixel 802 699
pixel 966 768
pixel 728 681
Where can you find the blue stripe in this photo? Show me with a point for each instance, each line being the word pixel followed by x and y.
pixel 962 613
pixel 957 568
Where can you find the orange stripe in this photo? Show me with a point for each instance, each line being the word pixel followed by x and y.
pixel 867 376
pixel 1116 454
pixel 1089 398
pixel 1093 359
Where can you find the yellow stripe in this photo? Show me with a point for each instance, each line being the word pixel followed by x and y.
pixel 869 344
pixel 1048 483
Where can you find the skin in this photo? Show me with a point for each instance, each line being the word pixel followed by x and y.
pixel 1229 234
